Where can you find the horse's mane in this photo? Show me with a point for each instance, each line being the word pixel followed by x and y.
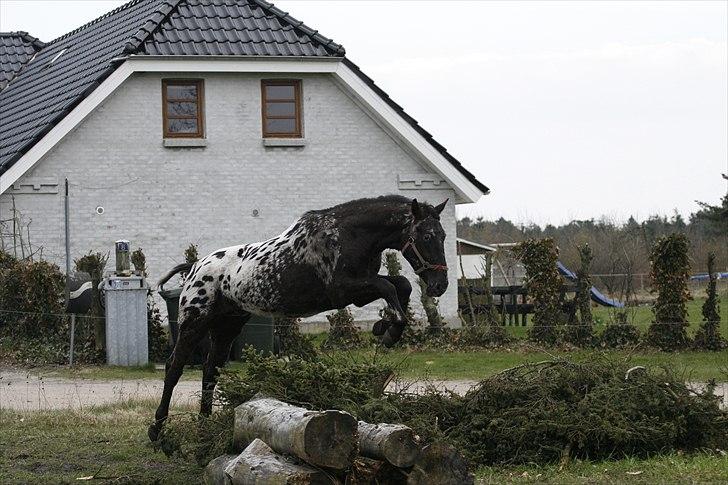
pixel 384 204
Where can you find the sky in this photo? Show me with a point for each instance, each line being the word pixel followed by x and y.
pixel 565 110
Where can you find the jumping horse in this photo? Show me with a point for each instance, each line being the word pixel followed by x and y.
pixel 327 259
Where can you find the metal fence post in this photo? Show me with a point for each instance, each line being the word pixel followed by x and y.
pixel 73 335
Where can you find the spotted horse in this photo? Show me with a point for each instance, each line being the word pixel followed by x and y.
pixel 327 259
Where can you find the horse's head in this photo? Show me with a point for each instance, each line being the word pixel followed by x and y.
pixel 424 248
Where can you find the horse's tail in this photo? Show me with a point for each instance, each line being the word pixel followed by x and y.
pixel 177 269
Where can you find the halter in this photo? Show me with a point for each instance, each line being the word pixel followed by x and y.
pixel 425 264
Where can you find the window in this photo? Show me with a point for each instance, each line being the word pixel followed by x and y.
pixel 182 108
pixel 281 109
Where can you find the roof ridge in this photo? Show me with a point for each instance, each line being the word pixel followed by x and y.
pixel 165 8
pixel 297 24
pixel 96 20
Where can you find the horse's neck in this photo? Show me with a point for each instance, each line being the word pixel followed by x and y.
pixel 386 230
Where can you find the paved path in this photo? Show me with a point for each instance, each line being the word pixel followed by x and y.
pixel 25 391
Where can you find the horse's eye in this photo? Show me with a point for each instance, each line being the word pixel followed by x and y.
pixel 426 237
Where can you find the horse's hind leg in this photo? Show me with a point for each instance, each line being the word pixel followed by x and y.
pixel 191 332
pixel 222 333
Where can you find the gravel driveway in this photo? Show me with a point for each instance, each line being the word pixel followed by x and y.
pixel 25 391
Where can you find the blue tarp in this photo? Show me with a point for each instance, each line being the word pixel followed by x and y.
pixel 596 295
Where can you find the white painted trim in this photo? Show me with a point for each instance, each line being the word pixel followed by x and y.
pixel 465 190
pixel 234 64
pixel 70 121
pixel 460 240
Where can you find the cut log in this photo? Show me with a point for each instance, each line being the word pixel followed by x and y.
pixel 258 463
pixel 394 443
pixel 321 438
pixel 215 470
pixel 440 464
pixel 366 471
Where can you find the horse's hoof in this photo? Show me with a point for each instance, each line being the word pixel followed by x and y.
pixel 153 432
pixel 380 327
pixel 393 335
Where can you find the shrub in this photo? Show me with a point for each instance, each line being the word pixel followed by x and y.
pixel 31 297
pixel 708 335
pixel 620 334
pixel 552 411
pixel 343 334
pixel 670 270
pixel 290 341
pixel 94 264
pixel 581 332
pixel 539 257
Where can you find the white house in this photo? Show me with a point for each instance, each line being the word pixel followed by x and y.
pixel 214 122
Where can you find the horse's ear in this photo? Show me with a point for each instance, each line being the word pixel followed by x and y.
pixel 439 208
pixel 417 210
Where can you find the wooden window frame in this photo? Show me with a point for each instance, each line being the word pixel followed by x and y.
pixel 200 107
pixel 296 83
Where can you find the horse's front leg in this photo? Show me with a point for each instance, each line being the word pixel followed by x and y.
pixel 362 291
pixel 404 290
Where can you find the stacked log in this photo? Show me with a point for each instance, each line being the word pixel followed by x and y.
pixel 286 444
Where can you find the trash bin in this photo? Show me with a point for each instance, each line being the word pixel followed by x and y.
pixel 127 341
pixel 258 331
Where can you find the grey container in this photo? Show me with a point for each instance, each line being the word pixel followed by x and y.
pixel 127 341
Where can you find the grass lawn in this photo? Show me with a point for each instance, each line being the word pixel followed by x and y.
pixel 110 444
pixel 672 468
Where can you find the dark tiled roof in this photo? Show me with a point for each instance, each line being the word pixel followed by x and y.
pixel 233 27
pixel 44 91
pixel 16 49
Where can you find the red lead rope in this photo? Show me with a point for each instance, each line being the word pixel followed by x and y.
pixel 425 264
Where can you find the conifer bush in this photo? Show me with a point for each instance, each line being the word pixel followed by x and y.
pixel 669 274
pixel 708 336
pixel 539 257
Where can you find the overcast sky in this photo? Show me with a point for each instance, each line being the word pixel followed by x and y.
pixel 565 110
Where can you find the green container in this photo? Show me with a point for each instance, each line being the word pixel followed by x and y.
pixel 258 331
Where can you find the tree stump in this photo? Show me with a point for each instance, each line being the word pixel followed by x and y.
pixel 321 438
pixel 440 464
pixel 395 443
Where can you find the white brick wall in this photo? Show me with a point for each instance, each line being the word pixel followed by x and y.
pixel 163 199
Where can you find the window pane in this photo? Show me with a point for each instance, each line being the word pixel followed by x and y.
pixel 175 108
pixel 281 109
pixel 280 126
pixel 279 92
pixel 182 126
pixel 182 92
